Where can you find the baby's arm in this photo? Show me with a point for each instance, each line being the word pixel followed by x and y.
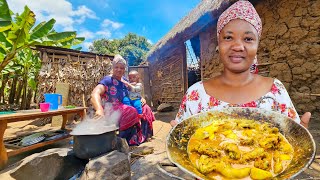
pixel 137 87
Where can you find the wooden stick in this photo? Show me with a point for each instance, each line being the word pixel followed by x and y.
pixel 262 72
pixel 311 94
pixel 265 64
pixel 315 166
pixel 314 95
pixel 135 155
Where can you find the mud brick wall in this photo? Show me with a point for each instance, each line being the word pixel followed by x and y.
pixel 289 49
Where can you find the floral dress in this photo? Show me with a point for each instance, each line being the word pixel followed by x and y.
pixel 115 89
pixel 196 100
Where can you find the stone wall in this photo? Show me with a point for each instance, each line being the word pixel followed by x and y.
pixel 289 49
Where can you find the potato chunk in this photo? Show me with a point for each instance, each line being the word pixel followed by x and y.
pixel 257 173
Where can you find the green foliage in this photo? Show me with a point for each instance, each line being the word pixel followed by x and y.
pixel 132 47
pixel 5 16
pixel 20 32
pixel 18 36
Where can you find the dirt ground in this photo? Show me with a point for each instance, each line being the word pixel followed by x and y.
pixel 143 165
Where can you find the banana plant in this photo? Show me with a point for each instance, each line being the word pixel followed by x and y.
pixel 18 31
pixel 31 64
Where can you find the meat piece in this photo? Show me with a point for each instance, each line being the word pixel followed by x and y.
pixel 206 164
pixel 263 162
pixel 247 142
pixel 270 141
pixel 251 155
pixel 232 151
pixel 207 150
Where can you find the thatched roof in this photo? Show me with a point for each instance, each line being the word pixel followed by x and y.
pixel 207 12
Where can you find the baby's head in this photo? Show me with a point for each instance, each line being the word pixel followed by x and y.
pixel 134 76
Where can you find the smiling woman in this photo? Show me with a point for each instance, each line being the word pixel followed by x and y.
pixel 238 30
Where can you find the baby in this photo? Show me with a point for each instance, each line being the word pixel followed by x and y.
pixel 135 89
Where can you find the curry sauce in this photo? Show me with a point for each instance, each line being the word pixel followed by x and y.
pixel 239 149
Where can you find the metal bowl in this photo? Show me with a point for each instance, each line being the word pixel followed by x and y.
pixel 297 135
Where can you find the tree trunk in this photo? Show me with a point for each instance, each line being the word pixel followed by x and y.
pixel 35 94
pixel 13 90
pixel 7 59
pixel 5 78
pixel 29 97
pixel 23 100
pixel 24 94
pixel 18 95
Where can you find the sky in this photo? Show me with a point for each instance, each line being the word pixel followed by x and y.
pixel 110 19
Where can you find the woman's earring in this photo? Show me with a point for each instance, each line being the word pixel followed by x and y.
pixel 217 49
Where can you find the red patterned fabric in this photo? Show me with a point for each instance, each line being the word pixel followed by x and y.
pixel 240 10
pixel 129 116
pixel 148 115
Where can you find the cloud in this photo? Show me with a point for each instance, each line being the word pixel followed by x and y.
pixel 86 45
pixel 107 23
pixel 149 41
pixel 82 13
pixel 62 11
pixel 85 33
pixel 105 33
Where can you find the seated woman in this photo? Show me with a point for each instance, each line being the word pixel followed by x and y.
pixel 238 32
pixel 112 89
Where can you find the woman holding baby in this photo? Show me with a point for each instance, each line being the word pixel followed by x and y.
pixel 113 89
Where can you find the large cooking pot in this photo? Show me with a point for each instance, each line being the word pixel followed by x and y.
pixel 298 136
pixel 90 146
pixel 92 143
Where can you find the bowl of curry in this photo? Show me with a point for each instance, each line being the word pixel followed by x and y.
pixel 240 143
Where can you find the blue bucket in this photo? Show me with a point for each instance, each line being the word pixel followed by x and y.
pixel 54 99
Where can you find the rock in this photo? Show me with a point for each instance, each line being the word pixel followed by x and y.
pixel 315 49
pixel 314 9
pixel 317 72
pixel 294 22
pixel 298 70
pixel 284 12
pixel 57 163
pixel 296 62
pixel 281 71
pixel 122 145
pixel 165 107
pixel 300 11
pixel 282 29
pixel 309 66
pixel 304 89
pixel 309 21
pixel 297 33
pixel 114 165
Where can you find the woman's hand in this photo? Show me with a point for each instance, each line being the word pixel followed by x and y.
pixel 305 118
pixel 99 114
